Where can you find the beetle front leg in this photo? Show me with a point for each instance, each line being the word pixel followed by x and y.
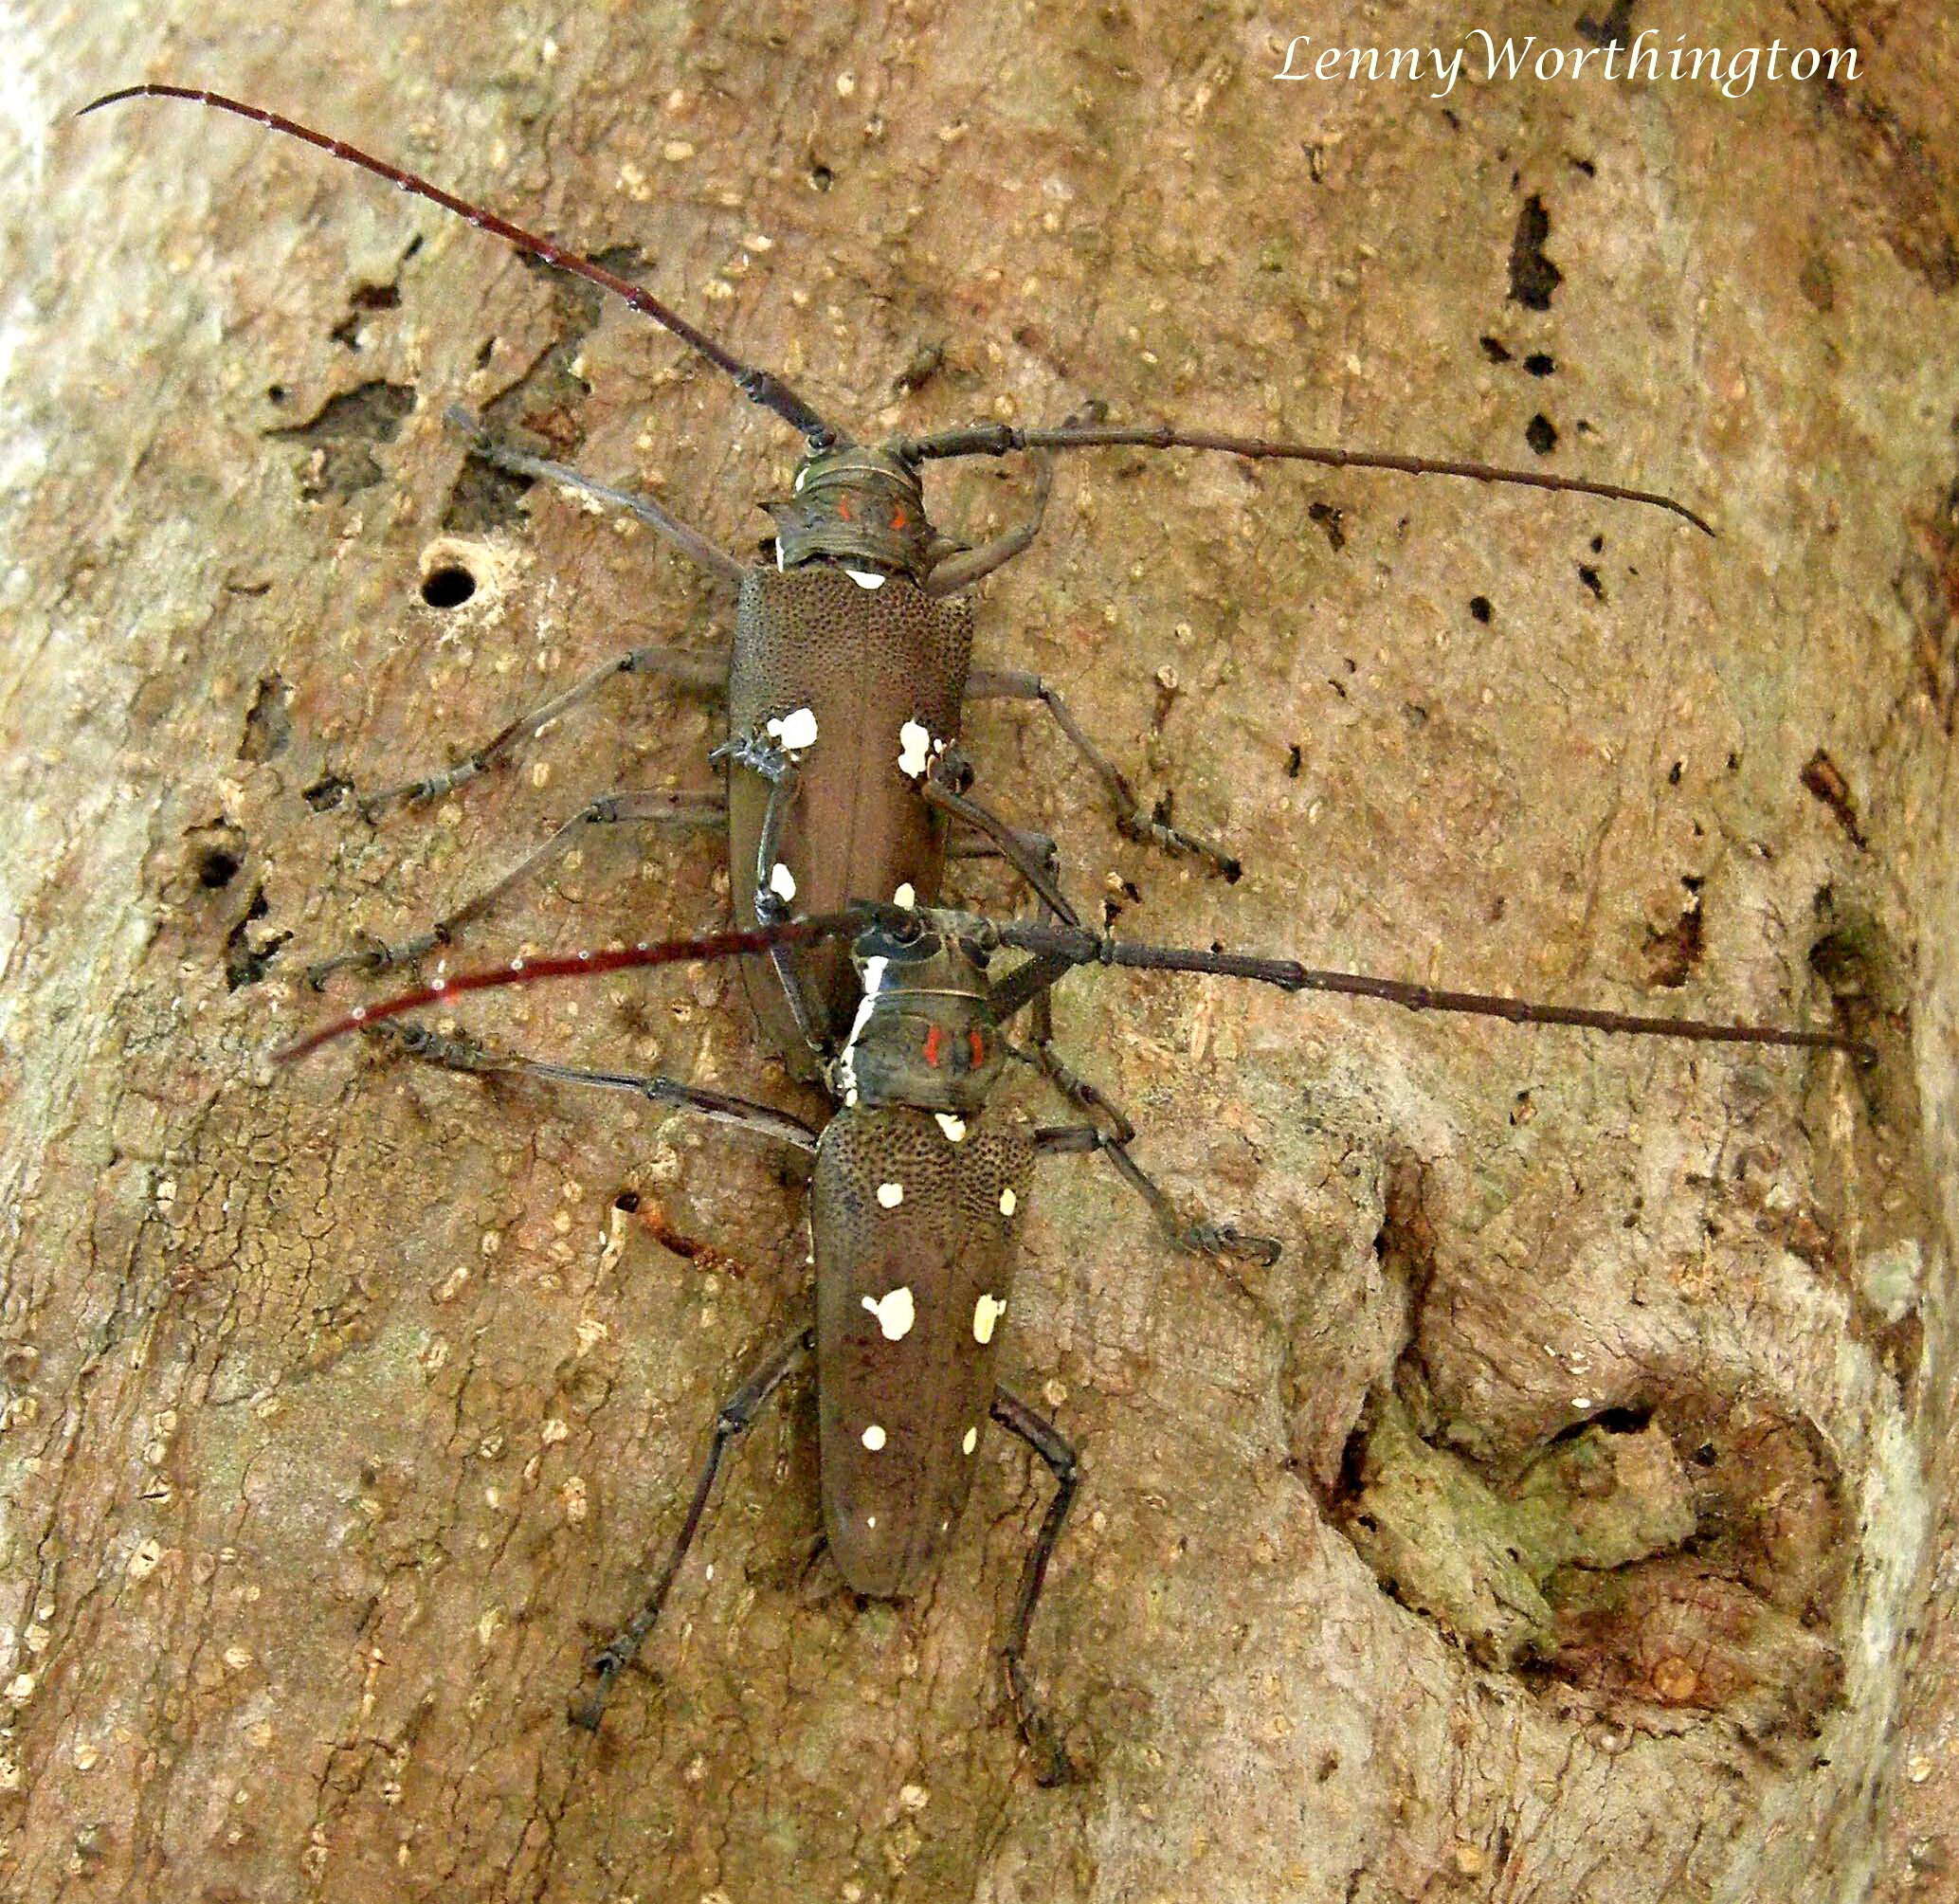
pixel 684 811
pixel 502 455
pixel 1048 1443
pixel 735 1415
pixel 1131 820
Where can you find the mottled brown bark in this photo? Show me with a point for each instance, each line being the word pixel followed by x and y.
pixel 343 1406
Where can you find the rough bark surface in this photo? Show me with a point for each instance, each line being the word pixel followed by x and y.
pixel 1563 1517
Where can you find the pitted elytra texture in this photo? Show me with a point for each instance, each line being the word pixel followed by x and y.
pixel 872 660
pixel 948 1243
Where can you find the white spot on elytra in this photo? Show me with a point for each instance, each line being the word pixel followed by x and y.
pixel 870 1520
pixel 782 882
pixel 955 1128
pixel 905 896
pixel 797 731
pixel 970 1442
pixel 866 578
pixel 895 1313
pixel 987 1313
pixel 1009 1202
pixel 891 1195
pixel 874 1438
pixel 914 743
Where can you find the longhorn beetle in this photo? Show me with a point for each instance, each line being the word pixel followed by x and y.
pixel 850 653
pixel 915 1204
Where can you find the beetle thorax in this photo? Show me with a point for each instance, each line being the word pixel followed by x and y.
pixel 925 1034
pixel 856 506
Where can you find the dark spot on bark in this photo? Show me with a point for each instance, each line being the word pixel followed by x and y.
pixel 216 867
pixel 1480 608
pixel 1671 955
pixel 268 726
pixel 1532 276
pixel 1541 434
pixel 922 368
pixel 1329 519
pixel 1493 351
pixel 323 795
pixel 1822 780
pixel 1674 772
pixel 246 953
pixel 1294 761
pixel 341 435
pixel 1590 576
pixel 1615 30
pixel 1540 363
pixel 821 178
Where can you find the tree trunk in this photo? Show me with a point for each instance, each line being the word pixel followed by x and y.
pixel 1557 1519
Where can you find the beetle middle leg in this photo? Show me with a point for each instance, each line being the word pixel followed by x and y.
pixel 699 673
pixel 1048 1443
pixel 735 1415
pixel 1130 819
pixel 683 810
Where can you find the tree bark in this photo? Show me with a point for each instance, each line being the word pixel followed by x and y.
pixel 1559 1519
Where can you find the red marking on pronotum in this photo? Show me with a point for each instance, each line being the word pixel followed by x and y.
pixel 933 1038
pixel 580 965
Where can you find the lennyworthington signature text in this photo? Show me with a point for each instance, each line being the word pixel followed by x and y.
pixel 1490 59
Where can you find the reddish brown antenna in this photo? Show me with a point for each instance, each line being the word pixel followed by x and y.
pixel 762 387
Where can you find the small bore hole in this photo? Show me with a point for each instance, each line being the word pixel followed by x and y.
pixel 448 587
pixel 216 868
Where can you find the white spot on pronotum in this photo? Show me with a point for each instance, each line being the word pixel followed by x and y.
pixel 904 896
pixel 891 1195
pixel 782 882
pixel 895 1313
pixel 970 1442
pixel 797 731
pixel 914 743
pixel 874 1438
pixel 778 555
pixel 987 1313
pixel 1009 1202
pixel 802 476
pixel 955 1128
pixel 847 1063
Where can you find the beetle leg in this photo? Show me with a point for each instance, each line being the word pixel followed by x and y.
pixel 962 570
pixel 699 673
pixel 1048 1443
pixel 736 1412
pixel 760 754
pixel 1131 820
pixel 940 789
pixel 689 541
pixel 1111 1132
pixel 454 1053
pixel 658 810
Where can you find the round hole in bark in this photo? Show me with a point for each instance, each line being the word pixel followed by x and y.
pixel 448 587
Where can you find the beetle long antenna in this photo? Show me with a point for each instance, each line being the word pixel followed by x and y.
pixel 582 965
pixel 762 387
pixel 990 439
pixel 1058 944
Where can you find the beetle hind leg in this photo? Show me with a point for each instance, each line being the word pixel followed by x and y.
pixel 1054 1766
pixel 737 1412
